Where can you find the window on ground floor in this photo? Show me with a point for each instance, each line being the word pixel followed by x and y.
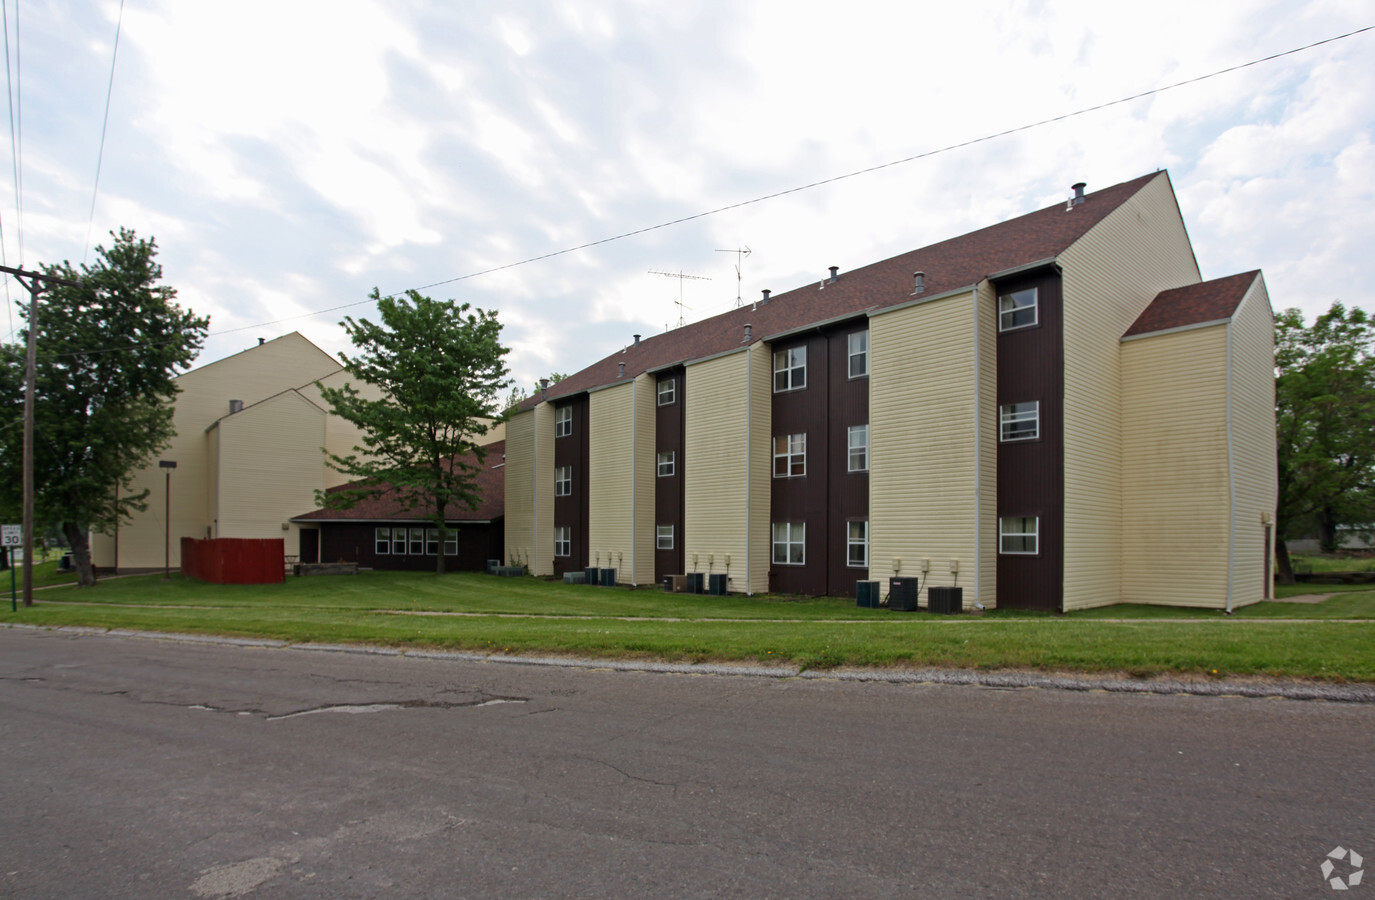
pixel 789 543
pixel 663 537
pixel 431 541
pixel 563 540
pixel 417 547
pixel 857 544
pixel 1017 535
pixel 451 542
pixel 398 541
pixel 383 541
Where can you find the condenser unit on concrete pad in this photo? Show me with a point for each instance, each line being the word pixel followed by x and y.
pixel 945 600
pixel 608 577
pixel 695 583
pixel 867 594
pixel 902 594
pixel 716 585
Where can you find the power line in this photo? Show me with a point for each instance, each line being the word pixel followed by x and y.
pixel 105 123
pixel 783 193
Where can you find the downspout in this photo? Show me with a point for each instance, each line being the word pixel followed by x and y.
pixel 749 419
pixel 978 454
pixel 1231 475
pixel 634 476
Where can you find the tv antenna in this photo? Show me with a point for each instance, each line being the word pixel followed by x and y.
pixel 680 276
pixel 740 255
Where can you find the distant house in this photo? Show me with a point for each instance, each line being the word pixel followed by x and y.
pixel 1054 412
pixel 251 435
pixel 380 533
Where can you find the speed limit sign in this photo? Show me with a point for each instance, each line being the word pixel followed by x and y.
pixel 11 535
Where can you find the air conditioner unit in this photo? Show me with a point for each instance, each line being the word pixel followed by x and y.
pixel 592 575
pixel 867 594
pixel 716 585
pixel 945 600
pixel 608 577
pixel 695 583
pixel 902 593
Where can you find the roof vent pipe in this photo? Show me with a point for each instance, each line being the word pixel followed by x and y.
pixel 766 294
pixel 621 373
pixel 544 387
pixel 748 326
pixel 235 406
pixel 835 272
pixel 262 341
pixel 637 340
pixel 919 282
pixel 1078 188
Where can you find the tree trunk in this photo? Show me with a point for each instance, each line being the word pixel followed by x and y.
pixel 1286 569
pixel 81 554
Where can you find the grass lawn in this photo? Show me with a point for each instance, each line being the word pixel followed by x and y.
pixel 483 613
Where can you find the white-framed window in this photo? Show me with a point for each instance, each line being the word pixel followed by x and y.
pixel 1017 535
pixel 668 391
pixel 663 537
pixel 859 449
pixel 417 547
pixel 663 463
pixel 1017 309
pixel 859 354
pixel 1019 421
pixel 382 545
pixel 563 421
pixel 451 542
pixel 790 543
pixel 398 541
pixel 563 481
pixel 789 455
pixel 857 544
pixel 563 540
pixel 789 369
pixel 431 541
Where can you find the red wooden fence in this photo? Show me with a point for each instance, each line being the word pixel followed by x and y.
pixel 234 560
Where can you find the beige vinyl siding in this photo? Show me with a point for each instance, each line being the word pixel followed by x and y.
pixel 540 556
pixel 1175 486
pixel 269 468
pixel 644 473
pixel 721 516
pixel 922 410
pixel 212 484
pixel 341 435
pixel 1110 276
pixel 520 486
pixel 610 478
pixel 1254 471
pixel 985 589
pixel 251 376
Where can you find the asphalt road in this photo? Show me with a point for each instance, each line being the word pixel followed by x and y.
pixel 144 768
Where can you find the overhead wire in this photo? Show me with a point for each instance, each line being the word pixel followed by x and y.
pixel 793 190
pixel 104 125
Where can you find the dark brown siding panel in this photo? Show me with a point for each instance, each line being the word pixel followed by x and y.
pixel 847 492
pixel 803 499
pixel 574 510
pixel 668 491
pixel 1031 474
pixel 355 542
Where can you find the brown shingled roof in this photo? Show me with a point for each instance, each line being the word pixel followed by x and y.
pixel 491 486
pixel 1194 304
pixel 956 263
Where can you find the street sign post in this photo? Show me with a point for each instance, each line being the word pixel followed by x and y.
pixel 11 536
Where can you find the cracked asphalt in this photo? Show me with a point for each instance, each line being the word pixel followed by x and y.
pixel 138 766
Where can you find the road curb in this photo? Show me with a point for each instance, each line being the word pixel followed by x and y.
pixel 1222 688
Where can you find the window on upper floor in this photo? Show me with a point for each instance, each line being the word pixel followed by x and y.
pixel 668 391
pixel 1018 535
pixel 1019 421
pixel 563 421
pixel 789 369
pixel 789 543
pixel 1017 309
pixel 857 544
pixel 789 455
pixel 664 464
pixel 859 449
pixel 563 481
pixel 859 354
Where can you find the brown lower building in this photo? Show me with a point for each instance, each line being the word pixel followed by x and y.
pixel 1054 412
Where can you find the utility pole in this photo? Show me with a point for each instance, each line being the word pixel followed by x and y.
pixel 34 286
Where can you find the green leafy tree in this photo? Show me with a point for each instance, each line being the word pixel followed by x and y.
pixel 1325 412
pixel 109 350
pixel 439 367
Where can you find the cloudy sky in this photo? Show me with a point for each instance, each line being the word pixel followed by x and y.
pixel 291 155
